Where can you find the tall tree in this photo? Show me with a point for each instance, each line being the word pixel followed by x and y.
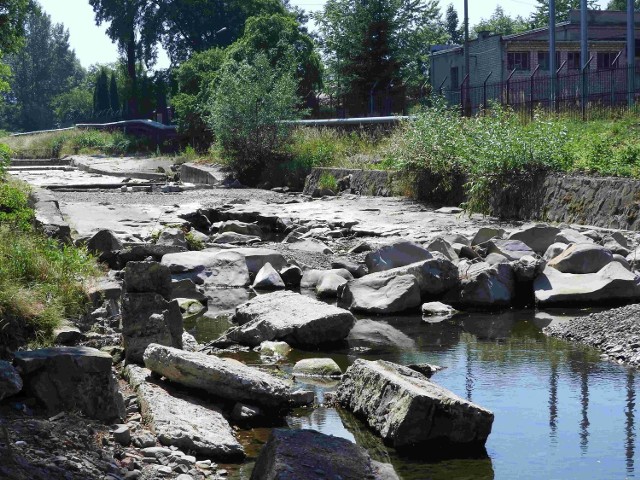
pixel 135 27
pixel 190 26
pixel 43 69
pixel 622 5
pixel 377 45
pixel 13 14
pixel 499 23
pixel 114 97
pixel 452 25
pixel 540 17
pixel 101 100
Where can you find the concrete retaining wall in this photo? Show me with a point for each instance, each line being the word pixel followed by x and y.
pixel 200 174
pixel 604 202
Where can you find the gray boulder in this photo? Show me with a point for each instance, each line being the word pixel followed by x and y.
pixel 221 377
pixel 484 285
pixel 511 249
pixel 185 288
pixel 611 243
pixel 380 294
pixel 554 250
pixel 317 367
pixel 232 238
pixel 186 423
pixel 613 283
pixel 228 270
pixel 434 276
pixel 66 334
pixel 537 237
pixel 182 262
pixel 268 279
pixel 355 269
pixel 257 257
pixel 242 228
pixel 495 259
pixel 409 411
pixel 439 244
pixel 291 317
pixel 397 254
pixel 329 285
pixel 10 381
pixel 312 277
pixel 147 277
pixel 487 233
pixel 454 238
pixel 527 268
pixel 72 378
pixel 104 241
pixel 582 258
pixel 310 455
pixel 149 318
pixel 568 235
pixel 173 237
pixel 291 275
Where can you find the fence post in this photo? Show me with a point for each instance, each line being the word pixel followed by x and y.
pixel 442 84
pixel 507 83
pixel 462 93
pixel 556 86
pixel 583 96
pixel 612 78
pixel 484 92
pixel 531 86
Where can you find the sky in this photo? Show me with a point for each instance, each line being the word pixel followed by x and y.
pixel 92 45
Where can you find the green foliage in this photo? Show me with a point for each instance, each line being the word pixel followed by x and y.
pixel 499 23
pixel 114 96
pixel 540 17
pixel 45 68
pixel 73 106
pixel 5 158
pixel 248 113
pixel 452 25
pixel 12 18
pixel 194 78
pixel 490 150
pixel 622 5
pixel 101 100
pixel 379 44
pixel 328 182
pixel 14 205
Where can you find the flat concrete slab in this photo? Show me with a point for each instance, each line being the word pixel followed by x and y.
pixel 69 178
pixel 146 168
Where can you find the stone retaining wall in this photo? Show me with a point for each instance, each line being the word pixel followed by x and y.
pixel 604 202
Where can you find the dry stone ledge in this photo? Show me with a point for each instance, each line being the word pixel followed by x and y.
pixel 188 424
pixel 397 254
pixel 290 317
pixel 613 283
pixel 410 412
pixel 69 378
pixel 582 258
pixel 434 276
pixel 221 377
pixel 537 237
pixel 257 257
pixel 311 455
pixel 380 294
pixel 149 318
pixel 144 277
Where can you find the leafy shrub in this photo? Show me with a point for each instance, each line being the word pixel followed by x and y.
pixel 328 182
pixel 248 114
pixel 14 205
pixel 5 158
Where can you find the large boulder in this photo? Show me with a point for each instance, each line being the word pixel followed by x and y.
pixel 103 241
pixel 569 235
pixel 312 277
pixel 485 234
pixel 613 283
pixel 582 258
pixel 240 227
pixel 441 245
pixel 72 378
pixel 310 455
pixel 257 257
pixel 537 237
pixel 409 411
pixel 380 294
pixel 10 381
pixel 291 317
pixel 397 254
pixel 330 285
pixel 221 377
pixel 268 279
pixel 228 270
pixel 151 277
pixel 435 276
pixel 511 249
pixel 554 250
pixel 232 238
pixel 484 285
pixel 186 423
pixel 190 261
pixel 149 318
pixel 317 367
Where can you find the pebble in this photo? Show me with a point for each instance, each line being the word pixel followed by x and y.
pixel 122 435
pixel 164 470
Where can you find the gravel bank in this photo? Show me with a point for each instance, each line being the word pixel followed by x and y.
pixel 615 332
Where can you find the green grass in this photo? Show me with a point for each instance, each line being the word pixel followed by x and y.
pixel 72 142
pixel 41 281
pixel 328 182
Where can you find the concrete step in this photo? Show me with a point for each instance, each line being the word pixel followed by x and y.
pixel 36 162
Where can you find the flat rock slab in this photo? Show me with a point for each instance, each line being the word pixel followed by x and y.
pixel 218 268
pixel 410 412
pixel 291 317
pixel 311 455
pixel 381 295
pixel 582 258
pixel 396 254
pixel 613 283
pixel 222 377
pixel 186 423
pixel 67 378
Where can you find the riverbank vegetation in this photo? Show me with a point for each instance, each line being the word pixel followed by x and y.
pixel 41 281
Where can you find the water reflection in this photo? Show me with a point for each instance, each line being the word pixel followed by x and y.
pixel 584 402
pixel 553 400
pixel 630 422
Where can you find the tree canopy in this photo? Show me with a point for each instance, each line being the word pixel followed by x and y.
pixel 622 5
pixel 499 23
pixel 452 25
pixel 540 17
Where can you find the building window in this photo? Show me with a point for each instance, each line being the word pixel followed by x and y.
pixel 573 61
pixel 454 78
pixel 543 60
pixel 605 60
pixel 518 61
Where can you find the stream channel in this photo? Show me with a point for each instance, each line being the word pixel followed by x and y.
pixel 561 412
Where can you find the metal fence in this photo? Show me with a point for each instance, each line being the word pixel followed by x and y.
pixel 588 94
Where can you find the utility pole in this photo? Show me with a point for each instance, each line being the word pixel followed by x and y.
pixel 631 53
pixel 584 55
pixel 552 51
pixel 467 73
